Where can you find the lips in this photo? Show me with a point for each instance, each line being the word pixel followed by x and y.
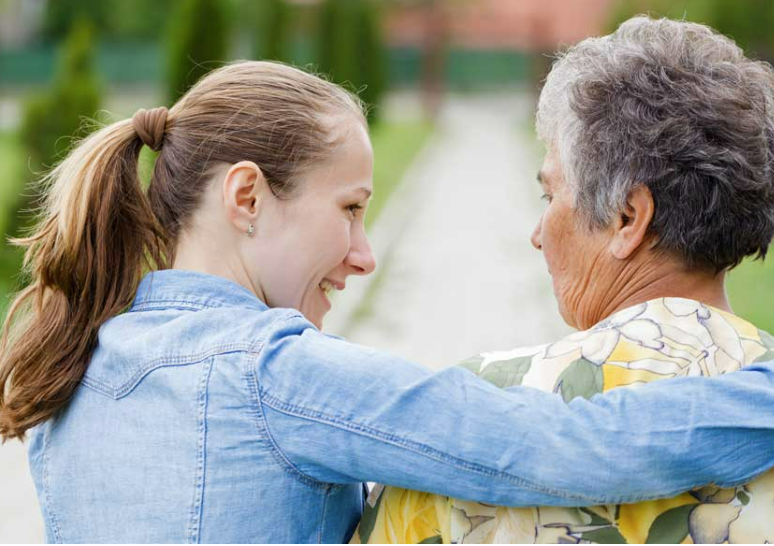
pixel 327 285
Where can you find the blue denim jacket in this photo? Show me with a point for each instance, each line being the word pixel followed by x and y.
pixel 207 417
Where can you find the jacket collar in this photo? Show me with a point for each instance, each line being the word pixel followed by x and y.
pixel 178 287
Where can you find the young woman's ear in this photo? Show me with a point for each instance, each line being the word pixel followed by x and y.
pixel 631 225
pixel 244 188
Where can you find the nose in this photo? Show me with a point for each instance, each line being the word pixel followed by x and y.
pixel 360 257
pixel 536 233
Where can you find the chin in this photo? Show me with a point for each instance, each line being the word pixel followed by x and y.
pixel 318 322
pixel 567 317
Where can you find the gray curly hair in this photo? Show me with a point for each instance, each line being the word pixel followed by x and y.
pixel 678 108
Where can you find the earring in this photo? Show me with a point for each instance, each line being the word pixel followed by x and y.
pixel 250 230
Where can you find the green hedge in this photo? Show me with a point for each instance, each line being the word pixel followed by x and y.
pixel 198 43
pixel 751 292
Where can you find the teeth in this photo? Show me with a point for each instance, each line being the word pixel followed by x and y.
pixel 327 286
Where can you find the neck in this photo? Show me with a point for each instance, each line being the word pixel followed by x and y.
pixel 643 280
pixel 195 253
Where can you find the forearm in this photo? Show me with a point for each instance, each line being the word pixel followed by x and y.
pixel 363 415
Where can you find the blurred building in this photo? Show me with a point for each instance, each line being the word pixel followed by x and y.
pixel 455 43
pixel 20 21
pixel 522 25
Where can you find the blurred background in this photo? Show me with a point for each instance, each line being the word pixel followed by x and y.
pixel 451 85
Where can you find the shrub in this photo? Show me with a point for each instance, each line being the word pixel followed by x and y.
pixel 198 43
pixel 271 28
pixel 351 50
pixel 54 118
pixel 748 22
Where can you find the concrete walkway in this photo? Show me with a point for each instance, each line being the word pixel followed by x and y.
pixel 457 274
pixel 20 519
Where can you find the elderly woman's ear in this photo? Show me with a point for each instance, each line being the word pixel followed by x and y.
pixel 630 226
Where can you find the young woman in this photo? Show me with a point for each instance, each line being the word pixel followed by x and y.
pixel 202 403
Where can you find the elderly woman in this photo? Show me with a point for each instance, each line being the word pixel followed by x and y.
pixel 659 180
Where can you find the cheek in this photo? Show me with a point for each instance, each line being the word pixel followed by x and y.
pixel 563 251
pixel 325 249
pixel 332 243
pixel 553 237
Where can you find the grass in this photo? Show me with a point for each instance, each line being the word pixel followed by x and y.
pixel 11 179
pixel 395 146
pixel 11 165
pixel 751 292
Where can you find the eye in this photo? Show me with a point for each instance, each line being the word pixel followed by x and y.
pixel 547 197
pixel 355 209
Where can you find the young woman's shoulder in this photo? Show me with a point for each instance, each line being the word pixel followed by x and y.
pixel 136 343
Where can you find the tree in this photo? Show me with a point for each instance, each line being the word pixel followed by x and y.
pixel 61 16
pixel 748 22
pixel 114 19
pixel 198 43
pixel 54 119
pixel 351 50
pixel 272 20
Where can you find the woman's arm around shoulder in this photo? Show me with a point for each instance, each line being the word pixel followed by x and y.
pixel 339 413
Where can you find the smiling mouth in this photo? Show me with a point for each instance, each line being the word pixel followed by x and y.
pixel 328 286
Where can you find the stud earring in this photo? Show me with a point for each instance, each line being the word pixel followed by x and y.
pixel 250 230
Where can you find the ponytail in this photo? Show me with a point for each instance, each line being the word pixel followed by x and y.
pixel 97 236
pixel 99 231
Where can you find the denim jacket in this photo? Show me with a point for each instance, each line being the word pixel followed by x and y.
pixel 205 416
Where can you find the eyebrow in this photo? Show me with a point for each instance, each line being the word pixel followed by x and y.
pixel 540 178
pixel 365 191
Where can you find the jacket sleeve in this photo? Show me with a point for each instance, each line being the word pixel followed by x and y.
pixel 339 413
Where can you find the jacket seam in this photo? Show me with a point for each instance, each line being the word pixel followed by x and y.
pixel 49 505
pixel 162 362
pixel 263 427
pixel 201 468
pixel 416 447
pixel 186 305
pixel 323 512
pixel 155 305
pixel 261 422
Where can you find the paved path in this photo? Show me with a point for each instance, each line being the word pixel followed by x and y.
pixel 462 276
pixel 20 520
pixel 457 272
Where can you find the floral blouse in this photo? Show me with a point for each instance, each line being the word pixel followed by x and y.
pixel 655 340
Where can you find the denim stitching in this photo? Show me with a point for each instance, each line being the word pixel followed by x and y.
pixel 49 505
pixel 321 525
pixel 164 361
pixel 433 453
pixel 164 304
pixel 197 506
pixel 143 307
pixel 263 428
pixel 427 451
pixel 297 411
pixel 179 304
pixel 261 424
pixel 416 447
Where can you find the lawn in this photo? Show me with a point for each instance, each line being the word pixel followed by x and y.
pixel 395 146
pixel 11 170
pixel 11 165
pixel 751 291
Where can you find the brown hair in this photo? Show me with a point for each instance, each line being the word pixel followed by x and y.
pixel 100 232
